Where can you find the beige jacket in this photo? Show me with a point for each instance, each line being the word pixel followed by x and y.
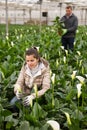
pixel 42 79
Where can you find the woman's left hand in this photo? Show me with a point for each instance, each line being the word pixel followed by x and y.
pixel 28 100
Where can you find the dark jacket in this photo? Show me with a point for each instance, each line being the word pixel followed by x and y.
pixel 70 24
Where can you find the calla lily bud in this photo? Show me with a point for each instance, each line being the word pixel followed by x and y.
pixel 80 64
pixel 57 63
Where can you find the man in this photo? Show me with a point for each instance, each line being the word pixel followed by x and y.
pixel 70 25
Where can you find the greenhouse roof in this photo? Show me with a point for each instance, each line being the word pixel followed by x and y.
pixel 76 2
pixel 80 3
pixel 35 1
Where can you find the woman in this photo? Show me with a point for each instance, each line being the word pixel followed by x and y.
pixel 35 71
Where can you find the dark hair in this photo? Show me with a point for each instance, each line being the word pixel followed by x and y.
pixel 32 51
pixel 69 7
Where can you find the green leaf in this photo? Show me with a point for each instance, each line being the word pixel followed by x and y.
pixel 24 125
pixel 37 111
pixel 6 113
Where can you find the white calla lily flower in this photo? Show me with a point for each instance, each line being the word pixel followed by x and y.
pixel 73 75
pixel 77 31
pixel 54 124
pixel 81 79
pixel 79 90
pixel 68 118
pixel 50 72
pixel 12 44
pixel 52 30
pixel 35 89
pixel 64 59
pixel 21 35
pixel 62 47
pixel 53 78
pixel 74 42
pixel 86 75
pixel 38 48
pixel 66 51
pixel 17 37
pixel 7 38
pixel 79 53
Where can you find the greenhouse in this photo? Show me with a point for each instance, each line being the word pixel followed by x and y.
pixel 23 11
pixel 47 80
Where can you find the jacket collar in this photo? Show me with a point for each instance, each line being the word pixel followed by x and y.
pixel 70 15
pixel 40 68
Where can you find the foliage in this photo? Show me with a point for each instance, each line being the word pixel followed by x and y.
pixel 59 26
pixel 62 97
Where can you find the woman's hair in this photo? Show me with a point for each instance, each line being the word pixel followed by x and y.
pixel 33 51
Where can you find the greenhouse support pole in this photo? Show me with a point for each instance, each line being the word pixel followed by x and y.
pixel 85 15
pixel 40 13
pixel 60 5
pixel 6 17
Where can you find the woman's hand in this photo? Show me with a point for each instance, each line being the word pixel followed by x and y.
pixel 19 95
pixel 28 100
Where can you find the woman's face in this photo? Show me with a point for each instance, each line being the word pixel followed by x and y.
pixel 31 61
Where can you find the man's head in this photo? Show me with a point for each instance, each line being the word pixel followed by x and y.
pixel 68 10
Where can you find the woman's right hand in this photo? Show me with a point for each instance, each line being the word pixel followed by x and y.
pixel 19 95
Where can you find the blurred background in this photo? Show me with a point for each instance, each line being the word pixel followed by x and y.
pixel 39 11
